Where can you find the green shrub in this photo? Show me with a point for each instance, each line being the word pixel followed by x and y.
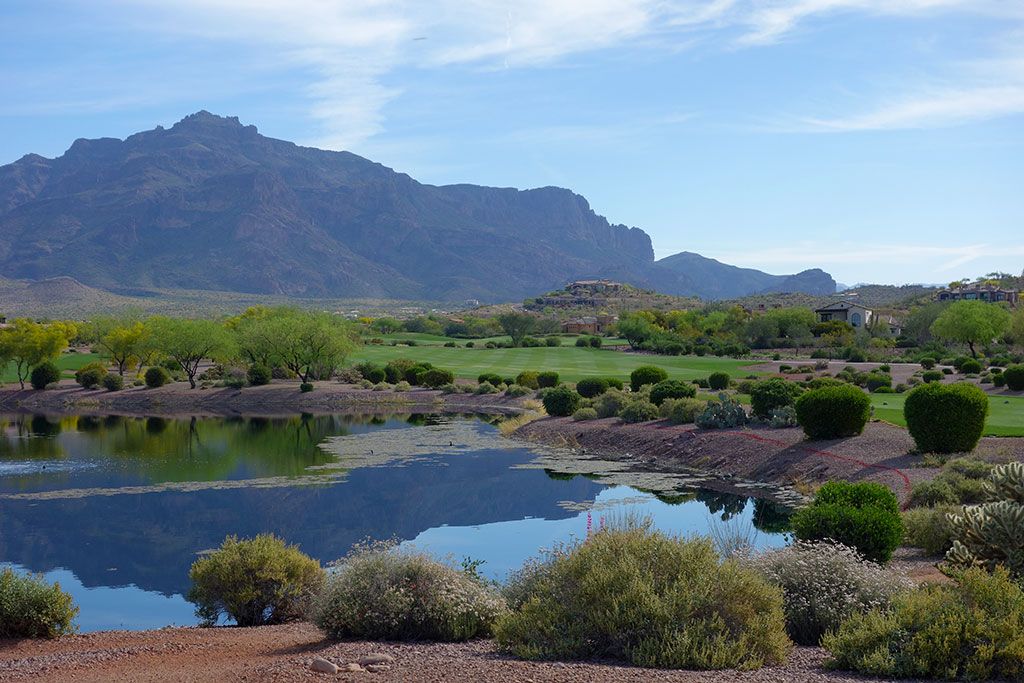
pixel 259 375
pixel 864 516
pixel 877 381
pixel 112 382
pixel 548 378
pixel 44 375
pixel 405 386
pixel 970 631
pixel 32 608
pixel 529 378
pixel 1013 376
pixel 561 401
pixel 833 412
pixel 581 341
pixel 672 388
pixel 255 582
pixel 610 403
pixel 584 414
pixel 998 381
pixel 927 363
pixel 489 377
pixel 681 410
pixel 307 387
pixel 90 375
pixel 380 592
pixel 769 394
pixel 552 341
pixel 642 597
pixel 823 584
pixel 517 390
pixel 646 374
pixel 933 492
pixel 639 411
pixel 485 388
pixel 946 418
pixel 721 413
pixel 931 376
pixel 969 367
pixel 435 378
pixel 718 380
pixel 614 383
pixel 929 528
pixel 156 376
pixel 592 386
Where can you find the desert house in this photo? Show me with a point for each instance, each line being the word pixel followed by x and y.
pixel 845 311
pixel 979 291
pixel 589 324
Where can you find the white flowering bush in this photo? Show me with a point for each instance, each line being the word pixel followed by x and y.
pixel 382 592
pixel 825 583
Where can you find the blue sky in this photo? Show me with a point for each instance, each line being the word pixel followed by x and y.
pixel 881 140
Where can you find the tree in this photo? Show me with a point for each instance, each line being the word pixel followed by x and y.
pixel 189 342
pixel 918 325
pixel 1016 333
pixel 252 333
pixel 28 343
pixel 308 343
pixel 636 328
pixel 123 342
pixel 971 322
pixel 516 325
pixel 385 325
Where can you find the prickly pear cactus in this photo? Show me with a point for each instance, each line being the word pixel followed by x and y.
pixel 992 533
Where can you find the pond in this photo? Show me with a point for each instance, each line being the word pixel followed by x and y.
pixel 118 508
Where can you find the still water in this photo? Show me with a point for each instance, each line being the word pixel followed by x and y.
pixel 117 508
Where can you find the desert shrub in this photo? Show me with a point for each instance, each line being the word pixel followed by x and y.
pixel 929 528
pixel 485 388
pixel 112 382
pixel 931 376
pixel 721 413
pixel 517 390
pixel 877 381
pixel 783 417
pixel 380 592
pixel 681 410
pixel 90 375
pixel 398 369
pixel 547 378
pixel 769 394
pixel 561 401
pixel 592 386
pixel 552 341
pixel 32 608
pixel 639 411
pixel 156 376
pixel 508 381
pixel 435 378
pixel 933 492
pixel 833 412
pixel 864 516
pixel 581 341
pixel 992 534
pixel 615 383
pixel 256 581
pixel 855 356
pixel 646 374
pixel 584 414
pixel 645 598
pixel 970 631
pixel 672 388
pixel 405 386
pixel 927 363
pixel 365 384
pixel 823 584
pixel 610 403
pixel 718 380
pixel 44 375
pixel 529 378
pixel 594 342
pixel 307 387
pixel 969 367
pixel 946 418
pixel 1013 377
pixel 998 381
pixel 258 375
pixel 490 378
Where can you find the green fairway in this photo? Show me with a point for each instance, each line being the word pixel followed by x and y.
pixel 68 362
pixel 571 362
pixel 424 339
pixel 1006 417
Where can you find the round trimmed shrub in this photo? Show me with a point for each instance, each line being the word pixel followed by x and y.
pixel 932 376
pixel 32 608
pixel 489 377
pixel 646 374
pixel 528 378
pixel 44 375
pixel 970 367
pixel 718 381
pixel 946 418
pixel 877 381
pixel 614 383
pixel 90 375
pixel 769 394
pixel 927 363
pixel 381 592
pixel 156 376
pixel 255 582
pixel 642 597
pixel 672 388
pixel 592 386
pixel 1014 377
pixel 681 410
pixel 833 412
pixel 307 387
pixel 610 403
pixel 584 414
pixel 548 378
pixel 998 380
pixel 639 411
pixel 561 401
pixel 864 516
pixel 436 378
pixel 258 375
pixel 112 382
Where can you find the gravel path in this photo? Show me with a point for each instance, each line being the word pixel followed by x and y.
pixel 285 653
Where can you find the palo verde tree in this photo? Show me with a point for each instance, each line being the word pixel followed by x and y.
pixel 123 341
pixel 971 322
pixel 308 342
pixel 27 343
pixel 188 342
pixel 253 334
pixel 517 325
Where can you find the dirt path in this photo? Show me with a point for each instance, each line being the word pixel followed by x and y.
pixel 285 653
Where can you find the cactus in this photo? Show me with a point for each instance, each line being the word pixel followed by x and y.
pixel 722 413
pixel 992 533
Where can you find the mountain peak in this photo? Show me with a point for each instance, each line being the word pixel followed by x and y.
pixel 203 119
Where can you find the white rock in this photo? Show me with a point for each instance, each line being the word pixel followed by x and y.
pixel 321 665
pixel 376 658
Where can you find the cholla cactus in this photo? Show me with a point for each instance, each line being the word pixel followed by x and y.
pixel 992 533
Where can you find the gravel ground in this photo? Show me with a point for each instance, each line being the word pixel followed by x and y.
pixel 285 653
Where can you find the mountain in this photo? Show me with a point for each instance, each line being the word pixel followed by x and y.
pixel 210 204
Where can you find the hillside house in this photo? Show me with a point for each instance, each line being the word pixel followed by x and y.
pixel 584 287
pixel 589 324
pixel 847 312
pixel 979 291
